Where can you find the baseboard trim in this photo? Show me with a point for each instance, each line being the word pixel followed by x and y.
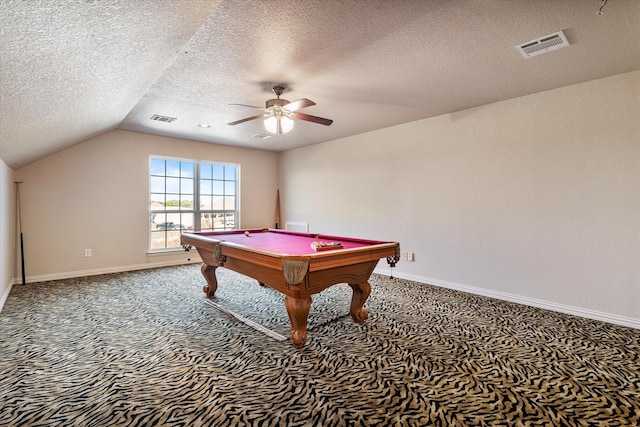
pixel 5 295
pixel 533 302
pixel 98 271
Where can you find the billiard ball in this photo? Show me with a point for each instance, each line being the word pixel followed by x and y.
pixel 246 233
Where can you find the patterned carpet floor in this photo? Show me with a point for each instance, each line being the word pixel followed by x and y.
pixel 144 348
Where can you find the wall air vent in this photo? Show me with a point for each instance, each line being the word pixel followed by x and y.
pixel 542 45
pixel 159 118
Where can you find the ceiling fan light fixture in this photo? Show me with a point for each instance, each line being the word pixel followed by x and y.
pixel 278 123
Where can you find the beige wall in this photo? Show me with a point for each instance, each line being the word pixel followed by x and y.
pixel 95 196
pixel 535 199
pixel 8 230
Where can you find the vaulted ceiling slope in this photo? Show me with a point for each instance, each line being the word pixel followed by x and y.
pixel 73 69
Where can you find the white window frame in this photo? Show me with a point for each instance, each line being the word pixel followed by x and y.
pixel 164 233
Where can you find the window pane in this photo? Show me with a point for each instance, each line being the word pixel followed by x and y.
pixel 218 187
pixel 173 168
pixel 156 184
pixel 186 169
pixel 186 222
pixel 186 202
pixel 157 201
pixel 186 186
pixel 205 171
pixel 157 219
pixel 173 202
pixel 157 167
pixel 173 219
pixel 230 173
pixel 230 188
pixel 218 203
pixel 218 221
pixel 218 172
pixel 158 240
pixel 229 221
pixel 206 203
pixel 206 221
pixel 173 185
pixel 205 186
pixel 229 203
pixel 173 238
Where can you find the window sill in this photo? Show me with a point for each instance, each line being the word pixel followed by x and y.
pixel 165 252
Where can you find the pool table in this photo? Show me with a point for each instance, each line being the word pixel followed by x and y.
pixel 295 264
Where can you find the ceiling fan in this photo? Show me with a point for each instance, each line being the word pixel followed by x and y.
pixel 280 113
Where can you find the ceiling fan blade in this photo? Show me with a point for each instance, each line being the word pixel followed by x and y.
pixel 237 122
pixel 314 119
pixel 250 106
pixel 299 104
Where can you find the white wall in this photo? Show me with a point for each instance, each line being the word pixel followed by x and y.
pixel 534 199
pixel 7 230
pixel 95 196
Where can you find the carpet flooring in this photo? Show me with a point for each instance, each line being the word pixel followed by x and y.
pixel 144 348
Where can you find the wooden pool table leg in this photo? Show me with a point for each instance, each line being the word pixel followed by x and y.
pixel 209 273
pixel 298 311
pixel 361 292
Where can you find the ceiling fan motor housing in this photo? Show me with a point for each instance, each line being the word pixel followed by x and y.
pixel 277 90
pixel 278 101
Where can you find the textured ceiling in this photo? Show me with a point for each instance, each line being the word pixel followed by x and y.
pixel 71 69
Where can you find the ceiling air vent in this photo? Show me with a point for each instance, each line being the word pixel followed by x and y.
pixel 542 45
pixel 159 118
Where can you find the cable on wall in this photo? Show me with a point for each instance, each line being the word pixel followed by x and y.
pixel 604 3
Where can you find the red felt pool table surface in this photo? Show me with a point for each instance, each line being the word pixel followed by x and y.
pixel 285 242
pixel 287 262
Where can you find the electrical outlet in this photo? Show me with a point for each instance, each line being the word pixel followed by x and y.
pixel 87 253
pixel 408 256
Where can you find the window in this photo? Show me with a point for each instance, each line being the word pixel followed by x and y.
pixel 188 195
